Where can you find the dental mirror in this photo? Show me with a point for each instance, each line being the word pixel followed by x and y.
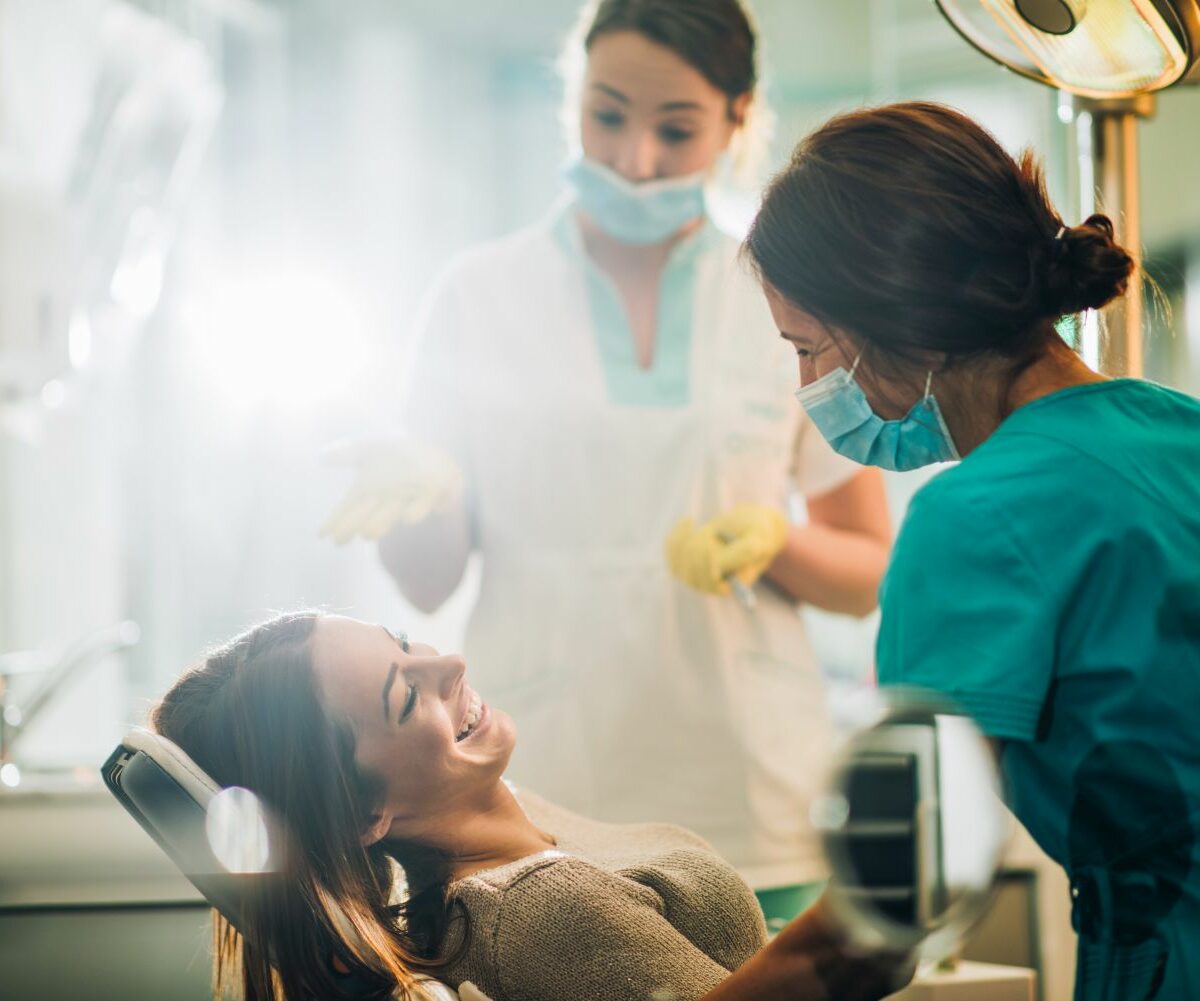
pixel 913 825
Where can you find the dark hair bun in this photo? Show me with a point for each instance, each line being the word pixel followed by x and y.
pixel 1087 268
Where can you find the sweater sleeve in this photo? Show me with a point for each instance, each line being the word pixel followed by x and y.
pixel 571 930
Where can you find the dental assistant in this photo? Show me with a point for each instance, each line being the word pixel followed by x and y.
pixel 603 417
pixel 1050 582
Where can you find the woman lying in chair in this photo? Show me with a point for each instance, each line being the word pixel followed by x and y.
pixel 374 752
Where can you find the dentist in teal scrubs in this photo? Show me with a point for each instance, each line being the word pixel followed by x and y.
pixel 1050 581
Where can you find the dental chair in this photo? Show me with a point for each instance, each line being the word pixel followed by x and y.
pixel 169 795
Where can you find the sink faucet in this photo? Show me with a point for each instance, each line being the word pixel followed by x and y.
pixel 57 671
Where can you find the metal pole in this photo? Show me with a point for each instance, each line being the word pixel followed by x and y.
pixel 1111 137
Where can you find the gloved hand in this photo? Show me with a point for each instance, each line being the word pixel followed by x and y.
pixel 400 481
pixel 742 542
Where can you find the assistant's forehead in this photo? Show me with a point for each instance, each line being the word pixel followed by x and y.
pixel 647 73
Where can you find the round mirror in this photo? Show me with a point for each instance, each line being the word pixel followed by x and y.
pixel 913 825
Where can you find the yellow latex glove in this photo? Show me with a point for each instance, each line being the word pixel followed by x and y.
pixel 742 542
pixel 399 481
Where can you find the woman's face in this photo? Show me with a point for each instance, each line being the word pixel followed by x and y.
pixel 820 353
pixel 418 725
pixel 647 114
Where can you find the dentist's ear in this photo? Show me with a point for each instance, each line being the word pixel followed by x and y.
pixel 376 828
pixel 739 108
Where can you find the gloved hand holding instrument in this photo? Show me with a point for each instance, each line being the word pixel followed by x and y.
pixel 730 552
pixel 400 481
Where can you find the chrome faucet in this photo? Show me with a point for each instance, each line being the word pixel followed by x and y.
pixel 57 671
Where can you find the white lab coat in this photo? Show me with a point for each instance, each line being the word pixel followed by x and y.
pixel 635 698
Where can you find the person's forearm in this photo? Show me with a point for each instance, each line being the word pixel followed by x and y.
pixel 831 568
pixel 810 961
pixel 427 559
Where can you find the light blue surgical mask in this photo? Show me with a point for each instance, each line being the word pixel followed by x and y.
pixel 839 408
pixel 643 213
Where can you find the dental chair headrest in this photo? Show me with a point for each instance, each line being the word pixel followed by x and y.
pixel 168 794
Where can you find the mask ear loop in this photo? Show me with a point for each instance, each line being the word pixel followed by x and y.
pixel 928 383
pixel 854 367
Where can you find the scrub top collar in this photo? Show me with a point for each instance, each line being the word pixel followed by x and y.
pixel 666 383
pixel 1084 389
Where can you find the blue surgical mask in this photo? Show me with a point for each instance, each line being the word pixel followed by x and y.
pixel 643 213
pixel 839 408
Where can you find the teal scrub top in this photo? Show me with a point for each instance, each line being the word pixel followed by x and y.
pixel 1050 584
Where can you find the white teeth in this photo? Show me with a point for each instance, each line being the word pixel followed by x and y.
pixel 474 711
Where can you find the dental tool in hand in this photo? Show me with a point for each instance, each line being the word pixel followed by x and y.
pixel 744 594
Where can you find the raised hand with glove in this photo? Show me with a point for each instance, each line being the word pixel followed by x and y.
pixel 740 543
pixel 400 481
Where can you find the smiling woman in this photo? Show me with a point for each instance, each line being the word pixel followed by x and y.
pixel 251 715
pixel 407 854
pixel 429 715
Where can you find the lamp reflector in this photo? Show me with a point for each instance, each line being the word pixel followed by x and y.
pixel 1116 48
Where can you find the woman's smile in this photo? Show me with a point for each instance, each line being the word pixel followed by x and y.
pixel 479 715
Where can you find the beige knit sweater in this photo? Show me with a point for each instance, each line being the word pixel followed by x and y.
pixel 636 912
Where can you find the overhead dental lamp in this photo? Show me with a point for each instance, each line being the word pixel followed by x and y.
pixel 1094 48
pixel 1111 56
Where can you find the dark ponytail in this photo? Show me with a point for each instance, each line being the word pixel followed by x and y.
pixel 1088 269
pixel 911 228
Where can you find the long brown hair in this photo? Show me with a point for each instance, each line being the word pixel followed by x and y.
pixel 250 715
pixel 911 228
